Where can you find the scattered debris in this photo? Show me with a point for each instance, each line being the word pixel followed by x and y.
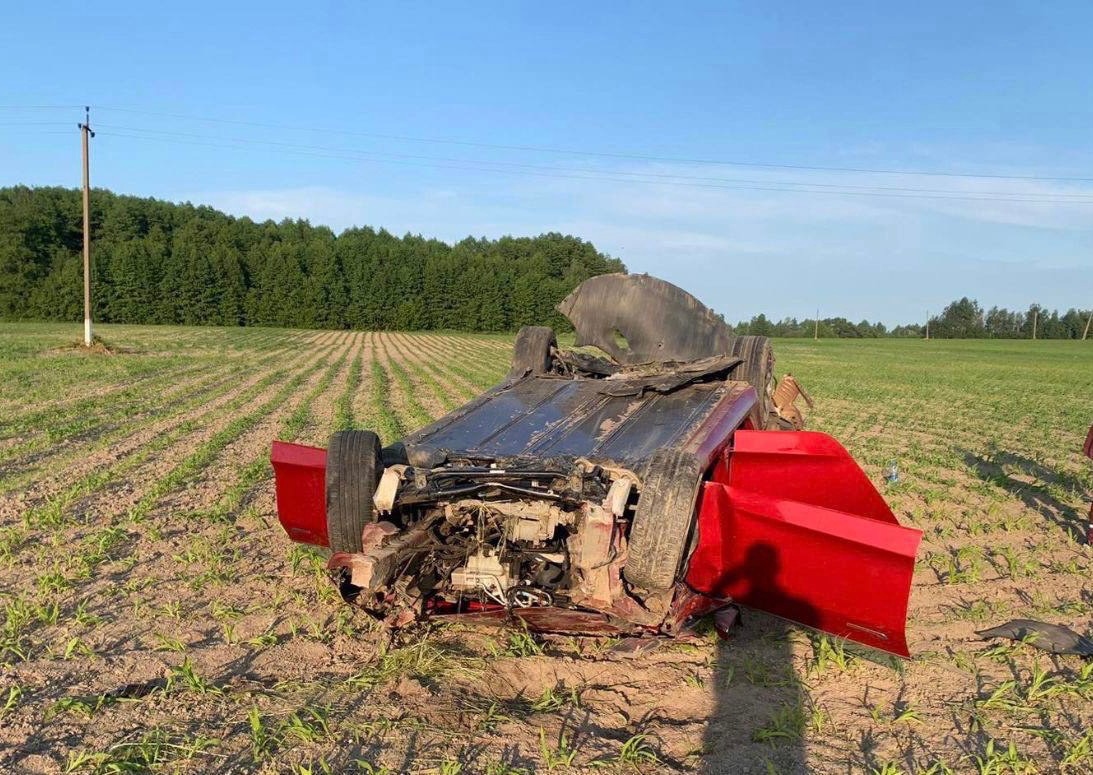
pixel 1048 637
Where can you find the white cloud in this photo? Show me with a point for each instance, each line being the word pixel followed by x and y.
pixel 745 248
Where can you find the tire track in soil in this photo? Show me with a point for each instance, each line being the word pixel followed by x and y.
pixel 12 505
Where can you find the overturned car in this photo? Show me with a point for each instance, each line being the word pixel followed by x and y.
pixel 626 492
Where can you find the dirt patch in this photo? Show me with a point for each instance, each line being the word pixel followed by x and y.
pixel 198 637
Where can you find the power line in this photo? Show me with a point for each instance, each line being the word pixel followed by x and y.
pixel 567 173
pixel 552 168
pixel 34 123
pixel 572 151
pixel 600 154
pixel 41 107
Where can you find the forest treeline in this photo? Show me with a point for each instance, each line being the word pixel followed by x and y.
pixel 963 319
pixel 159 262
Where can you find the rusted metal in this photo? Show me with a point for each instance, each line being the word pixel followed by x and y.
pixel 785 397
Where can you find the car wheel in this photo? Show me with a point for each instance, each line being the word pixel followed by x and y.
pixel 353 470
pixel 531 352
pixel 663 520
pixel 757 370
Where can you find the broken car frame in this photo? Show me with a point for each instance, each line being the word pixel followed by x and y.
pixel 625 494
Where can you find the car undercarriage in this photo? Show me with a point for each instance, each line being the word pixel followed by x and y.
pixel 626 491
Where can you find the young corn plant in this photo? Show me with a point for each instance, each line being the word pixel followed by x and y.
pixel 558 756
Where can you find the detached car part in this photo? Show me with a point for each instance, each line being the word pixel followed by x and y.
pixel 1055 638
pixel 624 494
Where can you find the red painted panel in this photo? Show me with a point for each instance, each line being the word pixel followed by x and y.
pixel 805 538
pixel 300 473
pixel 804 466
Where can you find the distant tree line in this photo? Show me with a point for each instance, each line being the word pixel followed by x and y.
pixel 159 262
pixel 963 319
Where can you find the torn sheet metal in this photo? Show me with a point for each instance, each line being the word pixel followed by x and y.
pixel 642 319
pixel 785 401
pixel 1054 638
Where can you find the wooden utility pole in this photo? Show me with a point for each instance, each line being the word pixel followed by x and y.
pixel 1087 322
pixel 1035 320
pixel 85 133
pixel 816 328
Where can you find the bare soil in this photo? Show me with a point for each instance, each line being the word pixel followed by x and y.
pixel 162 621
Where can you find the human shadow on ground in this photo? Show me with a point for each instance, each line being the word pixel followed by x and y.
pixel 760 706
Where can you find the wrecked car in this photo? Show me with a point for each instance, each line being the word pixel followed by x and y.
pixel 654 473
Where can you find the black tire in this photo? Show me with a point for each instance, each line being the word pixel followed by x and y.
pixel 663 520
pixel 531 352
pixel 353 470
pixel 758 371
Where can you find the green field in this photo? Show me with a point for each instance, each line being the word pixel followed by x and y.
pixel 153 615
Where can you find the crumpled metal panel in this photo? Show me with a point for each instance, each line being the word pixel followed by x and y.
pixel 659 321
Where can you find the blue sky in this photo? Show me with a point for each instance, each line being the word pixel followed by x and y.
pixel 327 96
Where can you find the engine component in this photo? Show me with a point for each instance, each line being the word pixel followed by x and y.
pixel 534 530
pixel 387 489
pixel 618 496
pixel 484 571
